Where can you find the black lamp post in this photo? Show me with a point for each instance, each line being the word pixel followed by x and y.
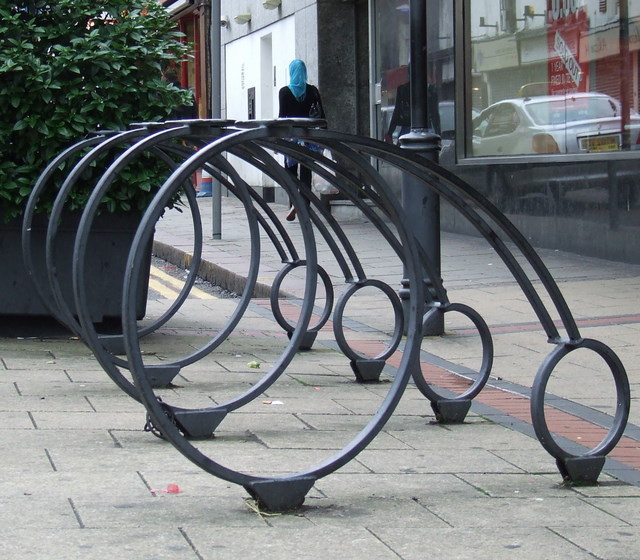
pixel 422 206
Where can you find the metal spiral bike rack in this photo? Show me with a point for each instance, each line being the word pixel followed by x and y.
pixel 185 147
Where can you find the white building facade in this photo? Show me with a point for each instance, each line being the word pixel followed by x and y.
pixel 480 54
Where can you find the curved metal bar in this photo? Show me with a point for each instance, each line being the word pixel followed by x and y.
pixel 262 160
pixel 27 222
pixel 259 158
pixel 265 163
pixel 64 314
pixel 364 167
pixel 279 245
pixel 623 396
pixel 155 410
pixel 456 195
pixel 192 273
pixel 510 261
pixel 339 177
pixel 439 304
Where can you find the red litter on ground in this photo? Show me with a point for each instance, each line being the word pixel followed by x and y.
pixel 170 489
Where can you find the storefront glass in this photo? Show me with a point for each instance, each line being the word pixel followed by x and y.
pixel 554 133
pixel 554 76
pixel 545 95
pixel 392 56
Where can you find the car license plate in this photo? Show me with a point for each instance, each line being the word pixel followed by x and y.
pixel 609 143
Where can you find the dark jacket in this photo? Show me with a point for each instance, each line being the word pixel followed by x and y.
pixel 291 107
pixel 402 111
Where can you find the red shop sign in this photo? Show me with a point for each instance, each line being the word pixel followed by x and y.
pixel 566 20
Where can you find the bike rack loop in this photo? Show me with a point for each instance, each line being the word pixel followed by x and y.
pixel 204 421
pixel 576 468
pixel 61 310
pixel 283 492
pixel 583 468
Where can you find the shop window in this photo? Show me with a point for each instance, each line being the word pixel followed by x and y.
pixel 391 59
pixel 554 69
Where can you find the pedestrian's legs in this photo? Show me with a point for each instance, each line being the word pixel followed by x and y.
pixel 305 175
pixel 305 178
pixel 291 215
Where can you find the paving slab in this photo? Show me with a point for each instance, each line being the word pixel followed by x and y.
pixel 82 479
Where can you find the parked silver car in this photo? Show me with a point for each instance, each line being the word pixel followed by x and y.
pixel 548 124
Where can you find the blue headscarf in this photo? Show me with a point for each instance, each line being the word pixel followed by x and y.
pixel 298 79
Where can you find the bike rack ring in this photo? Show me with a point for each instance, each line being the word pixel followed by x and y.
pixel 251 142
pixel 326 310
pixel 338 320
pixel 583 467
pixel 284 492
pixel 439 401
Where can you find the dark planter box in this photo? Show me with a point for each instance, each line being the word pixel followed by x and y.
pixel 107 252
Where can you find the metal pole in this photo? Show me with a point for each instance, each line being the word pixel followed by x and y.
pixel 625 115
pixel 625 74
pixel 216 112
pixel 422 206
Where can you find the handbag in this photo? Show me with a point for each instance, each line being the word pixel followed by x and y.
pixel 315 111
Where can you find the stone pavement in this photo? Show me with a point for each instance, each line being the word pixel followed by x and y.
pixel 82 479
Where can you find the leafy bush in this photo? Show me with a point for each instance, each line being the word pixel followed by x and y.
pixel 71 67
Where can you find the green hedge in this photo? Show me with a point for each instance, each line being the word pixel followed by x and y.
pixel 71 67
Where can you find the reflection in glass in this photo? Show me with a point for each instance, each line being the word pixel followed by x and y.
pixel 553 124
pixel 554 76
pixel 391 21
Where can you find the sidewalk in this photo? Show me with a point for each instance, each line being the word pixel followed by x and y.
pixel 83 480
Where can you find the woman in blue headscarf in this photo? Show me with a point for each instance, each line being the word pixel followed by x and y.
pixel 299 100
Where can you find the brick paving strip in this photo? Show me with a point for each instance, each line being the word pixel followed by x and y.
pixel 513 401
pixel 503 402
